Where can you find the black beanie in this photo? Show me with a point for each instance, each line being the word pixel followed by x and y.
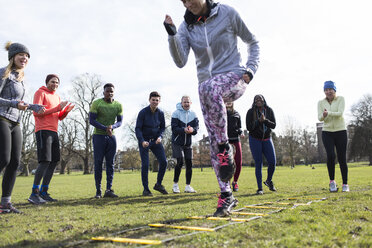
pixel 50 76
pixel 15 48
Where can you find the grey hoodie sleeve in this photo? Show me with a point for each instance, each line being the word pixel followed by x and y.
pixel 3 101
pixel 179 46
pixel 248 38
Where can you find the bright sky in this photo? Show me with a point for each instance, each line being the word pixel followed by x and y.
pixel 303 43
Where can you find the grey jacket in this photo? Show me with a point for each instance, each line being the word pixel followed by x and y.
pixel 214 43
pixel 12 92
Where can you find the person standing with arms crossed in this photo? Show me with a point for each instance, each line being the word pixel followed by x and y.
pixel 184 123
pixel 330 111
pixel 211 29
pixel 150 127
pixel 12 91
pixel 234 131
pixel 46 132
pixel 102 116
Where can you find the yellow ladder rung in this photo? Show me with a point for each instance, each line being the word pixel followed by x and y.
pixel 126 240
pixel 305 198
pixel 194 228
pixel 244 213
pixel 279 203
pixel 263 207
pixel 218 218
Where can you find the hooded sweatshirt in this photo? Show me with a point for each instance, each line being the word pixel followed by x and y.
pixel 214 42
pixel 49 119
pixel 182 118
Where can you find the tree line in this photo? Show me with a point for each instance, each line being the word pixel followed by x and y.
pixel 294 146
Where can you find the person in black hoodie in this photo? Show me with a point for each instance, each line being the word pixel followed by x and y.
pixel 260 120
pixel 234 131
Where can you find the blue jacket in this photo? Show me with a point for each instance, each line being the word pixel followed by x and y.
pixel 180 119
pixel 149 126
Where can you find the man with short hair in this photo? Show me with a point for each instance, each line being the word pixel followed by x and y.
pixel 46 127
pixel 150 127
pixel 184 123
pixel 102 116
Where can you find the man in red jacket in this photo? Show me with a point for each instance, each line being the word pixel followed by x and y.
pixel 46 127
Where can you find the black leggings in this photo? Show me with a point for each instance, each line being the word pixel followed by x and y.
pixel 177 170
pixel 10 154
pixel 339 140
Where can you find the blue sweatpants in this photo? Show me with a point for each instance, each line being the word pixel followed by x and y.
pixel 265 147
pixel 104 146
pixel 158 151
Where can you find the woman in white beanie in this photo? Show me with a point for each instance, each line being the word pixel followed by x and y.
pixel 12 91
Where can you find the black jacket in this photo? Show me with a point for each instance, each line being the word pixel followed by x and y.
pixel 260 130
pixel 234 126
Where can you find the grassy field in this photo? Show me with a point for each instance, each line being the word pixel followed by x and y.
pixel 342 220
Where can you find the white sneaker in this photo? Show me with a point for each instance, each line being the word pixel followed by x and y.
pixel 176 189
pixel 345 188
pixel 189 189
pixel 333 187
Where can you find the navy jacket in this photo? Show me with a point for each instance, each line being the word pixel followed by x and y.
pixel 180 119
pixel 149 125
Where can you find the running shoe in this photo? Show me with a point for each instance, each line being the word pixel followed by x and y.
pixel 146 192
pixel 35 197
pixel 270 184
pixel 176 189
pixel 98 194
pixel 227 164
pixel 8 209
pixel 235 186
pixel 333 186
pixel 110 193
pixel 225 205
pixel 46 197
pixel 259 192
pixel 345 188
pixel 189 189
pixel 160 188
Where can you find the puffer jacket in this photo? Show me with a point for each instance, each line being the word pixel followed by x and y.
pixel 234 126
pixel 214 43
pixel 180 119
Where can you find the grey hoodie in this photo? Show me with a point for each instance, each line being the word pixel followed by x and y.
pixel 214 43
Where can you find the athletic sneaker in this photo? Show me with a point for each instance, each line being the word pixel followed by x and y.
pixel 8 208
pixel 98 194
pixel 146 192
pixel 259 192
pixel 110 193
pixel 333 186
pixel 189 189
pixel 235 187
pixel 160 188
pixel 225 205
pixel 46 197
pixel 227 164
pixel 35 197
pixel 176 189
pixel 345 188
pixel 270 184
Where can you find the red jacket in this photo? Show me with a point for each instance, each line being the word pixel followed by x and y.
pixel 51 101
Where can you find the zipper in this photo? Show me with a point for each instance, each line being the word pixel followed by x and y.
pixel 209 50
pixel 187 115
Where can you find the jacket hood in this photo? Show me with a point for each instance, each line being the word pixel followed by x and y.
pixel 44 88
pixel 183 115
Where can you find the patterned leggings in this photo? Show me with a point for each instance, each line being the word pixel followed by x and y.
pixel 213 94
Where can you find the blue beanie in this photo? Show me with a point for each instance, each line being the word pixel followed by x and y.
pixel 329 85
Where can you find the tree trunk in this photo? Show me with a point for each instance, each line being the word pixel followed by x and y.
pixel 63 167
pixel 86 166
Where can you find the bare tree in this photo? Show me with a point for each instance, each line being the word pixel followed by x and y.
pixel 86 88
pixel 28 142
pixel 308 146
pixel 68 140
pixel 291 141
pixel 361 126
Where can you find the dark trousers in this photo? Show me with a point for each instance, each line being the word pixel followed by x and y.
pixel 10 154
pixel 158 151
pixel 265 147
pixel 177 170
pixel 330 141
pixel 104 146
pixel 238 159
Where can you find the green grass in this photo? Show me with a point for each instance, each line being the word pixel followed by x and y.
pixel 343 220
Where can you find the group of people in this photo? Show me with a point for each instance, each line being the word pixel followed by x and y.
pixel 210 29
